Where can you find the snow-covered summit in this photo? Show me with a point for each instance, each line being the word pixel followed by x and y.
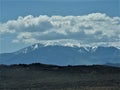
pixel 63 54
pixel 82 48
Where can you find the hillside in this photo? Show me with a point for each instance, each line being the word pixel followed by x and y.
pixel 62 55
pixel 51 77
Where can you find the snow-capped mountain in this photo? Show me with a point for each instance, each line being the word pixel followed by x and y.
pixel 62 55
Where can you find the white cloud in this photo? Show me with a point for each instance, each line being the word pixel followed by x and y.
pixel 91 28
pixel 4 29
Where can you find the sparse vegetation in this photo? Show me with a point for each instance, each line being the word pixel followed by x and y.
pixel 50 77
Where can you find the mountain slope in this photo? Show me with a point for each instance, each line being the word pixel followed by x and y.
pixel 62 55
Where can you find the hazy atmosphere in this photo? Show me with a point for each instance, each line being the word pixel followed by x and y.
pixel 59 44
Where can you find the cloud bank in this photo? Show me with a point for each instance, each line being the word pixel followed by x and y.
pixel 95 28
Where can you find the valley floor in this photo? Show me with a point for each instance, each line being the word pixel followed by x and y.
pixel 48 77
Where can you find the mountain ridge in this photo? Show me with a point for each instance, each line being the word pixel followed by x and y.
pixel 62 55
pixel 39 45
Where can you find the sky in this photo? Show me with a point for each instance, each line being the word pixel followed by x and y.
pixel 87 22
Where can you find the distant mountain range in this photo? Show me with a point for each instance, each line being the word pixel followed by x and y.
pixel 113 64
pixel 62 55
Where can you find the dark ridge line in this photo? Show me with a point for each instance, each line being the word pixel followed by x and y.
pixel 52 65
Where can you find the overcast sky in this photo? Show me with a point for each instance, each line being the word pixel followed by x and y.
pixel 25 22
